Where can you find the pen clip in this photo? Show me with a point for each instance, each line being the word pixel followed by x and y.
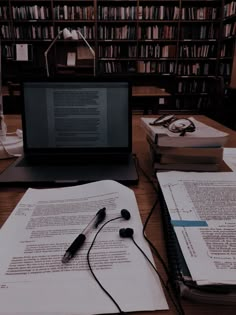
pixel 100 216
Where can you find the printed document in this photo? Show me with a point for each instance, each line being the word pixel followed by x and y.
pixel 41 228
pixel 202 208
pixel 229 157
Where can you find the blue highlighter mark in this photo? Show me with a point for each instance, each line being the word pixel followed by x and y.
pixel 188 223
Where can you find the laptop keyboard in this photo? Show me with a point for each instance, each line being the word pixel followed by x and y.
pixel 68 161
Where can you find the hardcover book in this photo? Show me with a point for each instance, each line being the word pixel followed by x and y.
pixel 203 136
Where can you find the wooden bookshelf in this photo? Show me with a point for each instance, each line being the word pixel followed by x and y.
pixel 190 40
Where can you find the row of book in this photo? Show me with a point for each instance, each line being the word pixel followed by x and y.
pixel 195 68
pixel 202 13
pixel 197 51
pixel 72 12
pixel 162 67
pixel 117 67
pixel 59 12
pixel 191 102
pixel 7 52
pixel 174 13
pixel 157 51
pixel 230 8
pixel 4 13
pixel 227 49
pixel 229 29
pixel 201 150
pixel 157 32
pixel 117 32
pixel 34 32
pixel 66 12
pixel 44 32
pixel 193 86
pixel 199 31
pixel 117 51
pixel 158 12
pixel 185 51
pixel 163 51
pixel 105 32
pixel 33 12
pixel 225 69
pixel 117 13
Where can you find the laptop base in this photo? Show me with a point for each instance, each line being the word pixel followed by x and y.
pixel 62 175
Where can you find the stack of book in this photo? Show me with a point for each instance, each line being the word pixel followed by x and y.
pixel 201 150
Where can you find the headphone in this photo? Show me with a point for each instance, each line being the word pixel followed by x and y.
pixel 128 232
pixel 125 214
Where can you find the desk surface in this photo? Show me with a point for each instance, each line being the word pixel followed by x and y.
pixel 153 91
pixel 146 197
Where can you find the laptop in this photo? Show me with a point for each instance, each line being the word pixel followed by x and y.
pixel 74 132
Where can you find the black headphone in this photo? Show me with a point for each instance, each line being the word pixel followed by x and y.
pixel 125 214
pixel 126 233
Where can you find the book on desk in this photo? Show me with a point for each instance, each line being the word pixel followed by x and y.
pixel 203 136
pixel 201 150
pixel 199 234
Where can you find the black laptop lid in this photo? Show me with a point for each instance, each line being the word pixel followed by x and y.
pixel 90 117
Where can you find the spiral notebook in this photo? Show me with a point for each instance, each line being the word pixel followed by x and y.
pixel 181 279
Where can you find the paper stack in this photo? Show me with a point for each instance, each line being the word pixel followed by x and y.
pixel 201 150
pixel 35 281
pixel 198 211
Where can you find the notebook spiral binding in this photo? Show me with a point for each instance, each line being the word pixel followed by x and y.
pixel 180 276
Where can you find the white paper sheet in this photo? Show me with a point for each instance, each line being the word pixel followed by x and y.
pixel 40 229
pixel 202 207
pixel 229 157
pixel 22 52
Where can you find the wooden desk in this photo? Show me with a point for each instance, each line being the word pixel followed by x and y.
pixel 159 95
pixel 145 195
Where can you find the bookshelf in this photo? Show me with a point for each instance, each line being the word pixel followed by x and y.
pixel 147 40
pixel 228 40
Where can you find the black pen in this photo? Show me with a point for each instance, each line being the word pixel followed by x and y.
pixel 80 239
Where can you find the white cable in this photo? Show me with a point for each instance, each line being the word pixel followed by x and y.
pixel 9 154
pixel 15 142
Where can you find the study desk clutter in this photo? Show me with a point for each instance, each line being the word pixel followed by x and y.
pixel 145 195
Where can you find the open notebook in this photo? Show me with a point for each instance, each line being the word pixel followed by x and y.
pixel 75 132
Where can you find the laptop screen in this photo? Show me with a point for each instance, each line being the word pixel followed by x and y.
pixel 79 117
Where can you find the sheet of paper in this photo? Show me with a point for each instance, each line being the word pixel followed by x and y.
pixel 202 207
pixel 229 157
pixel 40 229
pixel 22 52
pixel 71 59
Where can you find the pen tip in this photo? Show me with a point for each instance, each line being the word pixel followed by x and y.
pixel 66 258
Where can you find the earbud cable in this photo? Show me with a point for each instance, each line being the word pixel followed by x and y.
pixel 177 306
pixel 90 267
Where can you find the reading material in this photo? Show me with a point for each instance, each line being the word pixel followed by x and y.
pixel 203 136
pixel 40 229
pixel 71 59
pixel 230 158
pixel 202 209
pixel 190 155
